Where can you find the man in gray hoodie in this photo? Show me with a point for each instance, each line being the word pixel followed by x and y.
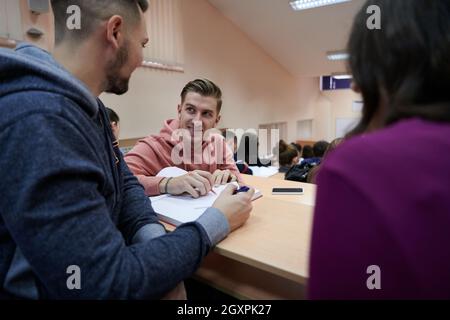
pixel 69 205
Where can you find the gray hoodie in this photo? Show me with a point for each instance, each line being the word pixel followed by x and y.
pixel 74 222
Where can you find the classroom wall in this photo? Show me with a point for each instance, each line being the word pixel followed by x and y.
pixel 257 89
pixel 340 102
pixel 43 22
pixel 21 19
pixel 323 108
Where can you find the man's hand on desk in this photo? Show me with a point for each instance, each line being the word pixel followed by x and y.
pixel 236 208
pixel 223 177
pixel 196 183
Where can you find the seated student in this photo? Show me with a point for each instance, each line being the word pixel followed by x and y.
pixel 312 174
pixel 307 152
pixel 318 151
pixel 114 121
pixel 288 156
pixel 201 102
pixel 301 172
pixel 382 217
pixel 319 148
pixel 232 142
pixel 299 151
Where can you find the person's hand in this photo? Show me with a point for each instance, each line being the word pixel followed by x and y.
pixel 236 208
pixel 196 183
pixel 223 177
pixel 179 293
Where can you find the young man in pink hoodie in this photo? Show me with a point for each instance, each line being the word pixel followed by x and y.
pixel 201 151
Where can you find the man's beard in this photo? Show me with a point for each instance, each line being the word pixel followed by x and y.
pixel 114 82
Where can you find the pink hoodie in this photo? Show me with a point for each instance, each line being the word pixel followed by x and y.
pixel 154 153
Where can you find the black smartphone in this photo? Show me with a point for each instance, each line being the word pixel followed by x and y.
pixel 290 191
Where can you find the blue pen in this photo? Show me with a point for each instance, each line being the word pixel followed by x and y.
pixel 241 189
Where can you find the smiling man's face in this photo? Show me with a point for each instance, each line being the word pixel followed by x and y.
pixel 198 108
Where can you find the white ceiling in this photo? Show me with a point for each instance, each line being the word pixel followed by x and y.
pixel 298 40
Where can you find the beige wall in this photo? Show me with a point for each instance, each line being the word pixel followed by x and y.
pixel 321 107
pixel 340 102
pixel 257 90
pixel 43 22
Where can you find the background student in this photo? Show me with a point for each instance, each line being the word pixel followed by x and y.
pixel 307 152
pixel 288 156
pixel 299 151
pixel 114 121
pixel 312 174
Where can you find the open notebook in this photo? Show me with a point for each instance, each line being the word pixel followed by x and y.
pixel 177 210
pixel 264 171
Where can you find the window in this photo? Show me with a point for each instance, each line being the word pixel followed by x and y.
pixel 304 129
pixel 10 20
pixel 345 125
pixel 275 132
pixel 165 49
pixel 280 126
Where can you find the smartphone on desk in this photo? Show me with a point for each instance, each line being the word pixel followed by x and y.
pixel 287 191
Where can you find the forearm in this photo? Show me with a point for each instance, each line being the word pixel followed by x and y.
pixel 109 269
pixel 136 211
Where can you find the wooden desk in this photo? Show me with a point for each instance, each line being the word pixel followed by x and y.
pixel 267 258
pixel 278 176
pixel 7 43
pixel 265 185
pixel 126 143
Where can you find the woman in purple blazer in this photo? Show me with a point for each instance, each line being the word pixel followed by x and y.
pixel 382 219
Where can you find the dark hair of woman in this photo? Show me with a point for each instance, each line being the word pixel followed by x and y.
pixel 402 70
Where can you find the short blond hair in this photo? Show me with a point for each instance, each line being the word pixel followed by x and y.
pixel 206 88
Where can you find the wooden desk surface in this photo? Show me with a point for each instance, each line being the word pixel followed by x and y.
pixel 265 185
pixel 275 239
pixel 267 258
pixel 278 176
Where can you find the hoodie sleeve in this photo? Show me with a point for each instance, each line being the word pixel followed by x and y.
pixel 144 164
pixel 58 218
pixel 137 210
